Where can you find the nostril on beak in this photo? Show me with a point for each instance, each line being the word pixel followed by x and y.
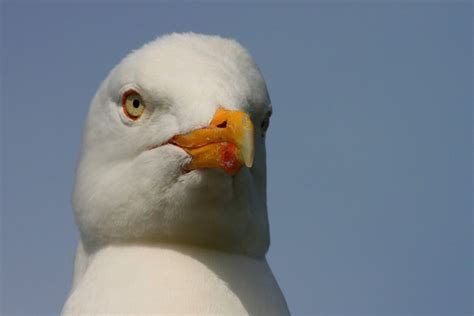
pixel 222 125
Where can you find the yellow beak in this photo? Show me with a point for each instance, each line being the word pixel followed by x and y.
pixel 227 143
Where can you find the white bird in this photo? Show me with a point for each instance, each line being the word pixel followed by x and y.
pixel 170 192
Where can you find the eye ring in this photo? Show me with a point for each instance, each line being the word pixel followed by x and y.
pixel 132 104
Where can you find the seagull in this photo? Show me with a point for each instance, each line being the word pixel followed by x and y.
pixel 170 190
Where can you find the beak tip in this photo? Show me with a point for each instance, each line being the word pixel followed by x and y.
pixel 248 145
pixel 249 163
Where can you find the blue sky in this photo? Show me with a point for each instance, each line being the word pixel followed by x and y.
pixel 369 148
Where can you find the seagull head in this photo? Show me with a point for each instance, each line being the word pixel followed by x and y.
pixel 173 149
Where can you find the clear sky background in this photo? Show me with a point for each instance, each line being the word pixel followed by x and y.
pixel 369 148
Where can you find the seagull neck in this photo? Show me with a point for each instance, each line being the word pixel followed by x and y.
pixel 169 276
pixel 165 256
pixel 161 250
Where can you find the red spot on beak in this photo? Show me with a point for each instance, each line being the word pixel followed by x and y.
pixel 229 161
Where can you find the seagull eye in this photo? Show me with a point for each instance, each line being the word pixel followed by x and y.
pixel 264 125
pixel 133 105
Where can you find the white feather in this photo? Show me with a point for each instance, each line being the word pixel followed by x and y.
pixel 155 240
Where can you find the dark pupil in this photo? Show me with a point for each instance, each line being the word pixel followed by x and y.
pixel 136 103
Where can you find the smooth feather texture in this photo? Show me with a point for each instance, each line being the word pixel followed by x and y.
pixel 155 240
pixel 176 280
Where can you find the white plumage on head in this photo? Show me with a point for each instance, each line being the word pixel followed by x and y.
pixel 157 237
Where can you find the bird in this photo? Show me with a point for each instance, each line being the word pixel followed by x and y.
pixel 170 189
